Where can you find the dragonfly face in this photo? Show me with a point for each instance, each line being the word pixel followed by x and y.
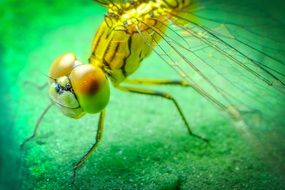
pixel 77 88
pixel 61 93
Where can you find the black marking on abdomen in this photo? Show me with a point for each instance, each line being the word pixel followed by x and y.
pixel 106 67
pixel 115 51
pixel 97 42
pixel 140 55
pixel 171 6
pixel 126 58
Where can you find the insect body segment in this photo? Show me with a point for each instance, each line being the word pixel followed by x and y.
pixel 120 53
pixel 77 88
pixel 128 35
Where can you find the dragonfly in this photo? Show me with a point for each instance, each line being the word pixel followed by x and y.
pixel 230 53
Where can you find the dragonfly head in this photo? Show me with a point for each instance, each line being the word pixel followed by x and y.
pixel 77 88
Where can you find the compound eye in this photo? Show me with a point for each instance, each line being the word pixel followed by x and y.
pixel 63 65
pixel 91 87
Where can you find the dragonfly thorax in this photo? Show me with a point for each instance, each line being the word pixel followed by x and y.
pixel 123 41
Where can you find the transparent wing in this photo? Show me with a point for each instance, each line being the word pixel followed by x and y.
pixel 232 52
pixel 237 49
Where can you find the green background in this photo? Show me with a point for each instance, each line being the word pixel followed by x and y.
pixel 145 144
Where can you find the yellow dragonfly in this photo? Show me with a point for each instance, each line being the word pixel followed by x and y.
pixel 236 66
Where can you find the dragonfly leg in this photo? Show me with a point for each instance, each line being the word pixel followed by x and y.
pixel 182 83
pixel 94 146
pixel 166 96
pixel 36 126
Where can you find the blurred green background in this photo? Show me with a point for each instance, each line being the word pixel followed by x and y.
pixel 145 144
